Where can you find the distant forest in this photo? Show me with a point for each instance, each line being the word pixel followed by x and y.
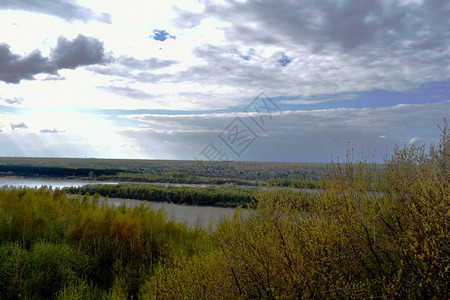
pixel 238 173
pixel 60 167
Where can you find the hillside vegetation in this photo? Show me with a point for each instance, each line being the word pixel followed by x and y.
pixel 363 234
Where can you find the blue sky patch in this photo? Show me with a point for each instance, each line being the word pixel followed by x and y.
pixel 161 35
pixel 285 60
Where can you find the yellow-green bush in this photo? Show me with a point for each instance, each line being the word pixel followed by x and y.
pixel 50 243
pixel 363 234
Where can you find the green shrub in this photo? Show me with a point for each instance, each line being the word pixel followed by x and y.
pixel 12 261
pixel 51 266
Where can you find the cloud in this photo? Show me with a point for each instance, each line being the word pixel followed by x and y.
pixel 161 35
pixel 81 51
pixel 127 92
pixel 13 100
pixel 145 64
pixel 339 46
pixel 297 135
pixel 67 54
pixel 51 131
pixel 224 66
pixel 207 122
pixel 187 19
pixel 19 126
pixel 413 140
pixel 65 9
pixel 125 73
pixel 55 77
pixel 125 67
pixel 346 24
pixel 319 99
pixel 14 68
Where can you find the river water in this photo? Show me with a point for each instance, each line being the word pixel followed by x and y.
pixel 37 183
pixel 203 216
pixel 193 215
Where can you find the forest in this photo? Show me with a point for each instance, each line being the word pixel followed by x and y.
pixel 58 172
pixel 365 233
pixel 160 171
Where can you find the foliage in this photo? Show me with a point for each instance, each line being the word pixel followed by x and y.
pixel 361 234
pixel 52 245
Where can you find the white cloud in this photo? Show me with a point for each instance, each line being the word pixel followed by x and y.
pixel 21 125
pixel 413 140
pixel 65 9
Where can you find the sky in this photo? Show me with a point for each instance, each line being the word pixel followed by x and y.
pixel 262 80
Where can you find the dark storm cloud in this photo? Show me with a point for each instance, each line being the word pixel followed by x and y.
pixel 67 54
pixel 19 126
pixel 65 9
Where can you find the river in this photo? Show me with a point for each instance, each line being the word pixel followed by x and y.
pixel 192 215
pixel 37 183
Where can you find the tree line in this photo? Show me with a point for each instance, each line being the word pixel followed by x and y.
pixel 228 196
